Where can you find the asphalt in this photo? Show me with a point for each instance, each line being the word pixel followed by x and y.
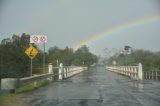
pixel 95 87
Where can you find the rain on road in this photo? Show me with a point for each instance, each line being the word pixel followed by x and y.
pixel 96 87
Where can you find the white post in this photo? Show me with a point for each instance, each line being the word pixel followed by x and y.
pixel 60 71
pixel 131 72
pixel 50 68
pixel 146 75
pixel 140 75
pixel 152 75
pixel 65 72
pixel 50 71
pixel 156 76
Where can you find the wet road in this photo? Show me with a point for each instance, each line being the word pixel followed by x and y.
pixel 96 87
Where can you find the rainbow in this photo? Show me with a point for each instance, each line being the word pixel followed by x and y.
pixel 115 29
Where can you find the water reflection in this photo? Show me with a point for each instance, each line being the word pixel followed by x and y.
pixel 139 86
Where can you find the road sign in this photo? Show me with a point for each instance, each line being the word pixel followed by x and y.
pixel 38 39
pixel 43 39
pixel 31 52
pixel 34 39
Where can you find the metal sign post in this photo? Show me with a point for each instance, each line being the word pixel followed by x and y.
pixel 44 58
pixel 31 52
pixel 57 63
pixel 31 68
pixel 40 39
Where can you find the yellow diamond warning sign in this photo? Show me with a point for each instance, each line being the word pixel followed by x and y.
pixel 31 52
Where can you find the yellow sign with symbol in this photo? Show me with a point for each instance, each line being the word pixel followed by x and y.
pixel 31 52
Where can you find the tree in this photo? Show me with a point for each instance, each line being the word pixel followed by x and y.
pixel 14 61
pixel 67 57
pixel 12 58
pixel 83 57
pixel 149 60
pixel 54 54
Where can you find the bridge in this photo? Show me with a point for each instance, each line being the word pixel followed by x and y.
pixel 96 86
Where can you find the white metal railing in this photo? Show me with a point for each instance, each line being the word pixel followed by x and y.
pixel 151 75
pixel 134 72
pixel 70 71
pixel 65 72
pixel 59 72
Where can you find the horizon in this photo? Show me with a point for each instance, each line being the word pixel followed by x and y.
pixel 65 23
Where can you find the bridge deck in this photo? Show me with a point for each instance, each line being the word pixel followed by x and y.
pixel 96 87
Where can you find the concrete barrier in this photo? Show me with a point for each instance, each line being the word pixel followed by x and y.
pixel 8 83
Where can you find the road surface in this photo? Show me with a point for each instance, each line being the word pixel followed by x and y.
pixel 95 87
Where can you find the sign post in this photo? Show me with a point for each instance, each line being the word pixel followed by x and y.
pixel 57 63
pixel 43 40
pixel 31 52
pixel 40 39
pixel 31 68
pixel 44 58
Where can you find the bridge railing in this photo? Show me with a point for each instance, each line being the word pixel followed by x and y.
pixel 152 75
pixel 70 71
pixel 13 84
pixel 134 72
pixel 64 72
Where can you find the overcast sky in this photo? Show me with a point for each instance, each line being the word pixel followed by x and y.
pixel 68 22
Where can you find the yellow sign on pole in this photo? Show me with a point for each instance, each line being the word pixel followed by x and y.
pixel 31 52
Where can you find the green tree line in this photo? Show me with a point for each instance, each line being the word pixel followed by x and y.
pixel 67 56
pixel 15 63
pixel 150 60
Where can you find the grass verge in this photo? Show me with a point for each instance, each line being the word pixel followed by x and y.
pixel 26 88
pixel 5 97
pixel 32 86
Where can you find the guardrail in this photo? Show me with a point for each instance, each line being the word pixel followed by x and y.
pixel 151 75
pixel 67 72
pixel 54 73
pixel 134 72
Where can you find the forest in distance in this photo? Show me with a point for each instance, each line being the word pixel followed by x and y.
pixel 150 60
pixel 15 63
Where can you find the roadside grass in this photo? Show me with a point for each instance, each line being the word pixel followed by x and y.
pixel 26 88
pixel 32 86
pixel 5 97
